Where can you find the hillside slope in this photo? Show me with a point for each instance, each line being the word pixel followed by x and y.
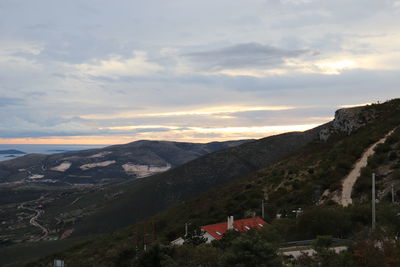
pixel 43 196
pixel 105 209
pixel 300 180
pixel 134 160
pixel 158 192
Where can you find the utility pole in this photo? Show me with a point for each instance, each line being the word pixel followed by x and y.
pixel 186 229
pixel 145 236
pixel 392 194
pixel 262 209
pixel 373 202
pixel 154 231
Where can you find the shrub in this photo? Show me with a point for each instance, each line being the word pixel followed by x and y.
pixel 322 241
pixel 250 250
pixel 382 148
pixel 393 156
pixel 343 166
pixel 323 220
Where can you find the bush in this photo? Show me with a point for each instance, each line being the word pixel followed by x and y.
pixel 396 175
pixel 343 166
pixel 322 241
pixel 323 220
pixel 392 139
pixel 250 250
pixel 202 255
pixel 393 156
pixel 382 148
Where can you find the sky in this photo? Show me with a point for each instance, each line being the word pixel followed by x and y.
pixel 108 72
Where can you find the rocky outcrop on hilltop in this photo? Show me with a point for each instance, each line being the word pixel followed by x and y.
pixel 348 120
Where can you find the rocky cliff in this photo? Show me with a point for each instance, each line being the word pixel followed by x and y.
pixel 348 120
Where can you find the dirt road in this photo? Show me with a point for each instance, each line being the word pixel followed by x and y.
pixel 38 213
pixel 350 180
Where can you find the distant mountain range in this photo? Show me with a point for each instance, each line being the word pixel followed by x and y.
pixel 134 160
pixel 11 152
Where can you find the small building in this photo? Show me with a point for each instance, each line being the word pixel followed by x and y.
pixel 178 242
pixel 215 231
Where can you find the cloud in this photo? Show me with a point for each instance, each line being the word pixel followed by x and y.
pixel 20 48
pixel 8 101
pixel 254 59
pixel 117 66
pixel 68 69
pixel 208 111
pixel 208 133
pixel 16 126
pixel 242 56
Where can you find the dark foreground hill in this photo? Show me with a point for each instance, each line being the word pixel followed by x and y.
pixel 81 213
pixel 304 179
pixel 158 192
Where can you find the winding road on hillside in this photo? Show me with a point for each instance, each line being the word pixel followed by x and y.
pixel 38 213
pixel 350 180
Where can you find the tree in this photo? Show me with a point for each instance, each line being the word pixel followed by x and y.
pixel 194 239
pixel 156 256
pixel 327 257
pixel 251 250
pixel 324 221
pixel 227 238
pixel 377 250
pixel 204 255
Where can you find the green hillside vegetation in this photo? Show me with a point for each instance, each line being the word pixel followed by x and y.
pixel 148 196
pixel 386 165
pixel 295 182
pixel 298 181
pixel 149 153
pixel 106 208
pixel 63 204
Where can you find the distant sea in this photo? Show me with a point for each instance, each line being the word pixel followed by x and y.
pixel 43 149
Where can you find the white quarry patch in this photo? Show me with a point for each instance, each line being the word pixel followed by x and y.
pixel 62 167
pixel 36 176
pixel 100 155
pixel 86 167
pixel 141 171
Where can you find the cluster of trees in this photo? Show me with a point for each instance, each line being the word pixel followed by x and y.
pixel 374 249
pixel 256 249
pixel 235 249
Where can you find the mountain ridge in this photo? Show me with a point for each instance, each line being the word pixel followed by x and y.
pixel 133 160
pixel 297 180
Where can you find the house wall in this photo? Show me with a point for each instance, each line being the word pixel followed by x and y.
pixel 178 242
pixel 208 237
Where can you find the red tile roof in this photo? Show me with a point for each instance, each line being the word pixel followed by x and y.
pixel 218 229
